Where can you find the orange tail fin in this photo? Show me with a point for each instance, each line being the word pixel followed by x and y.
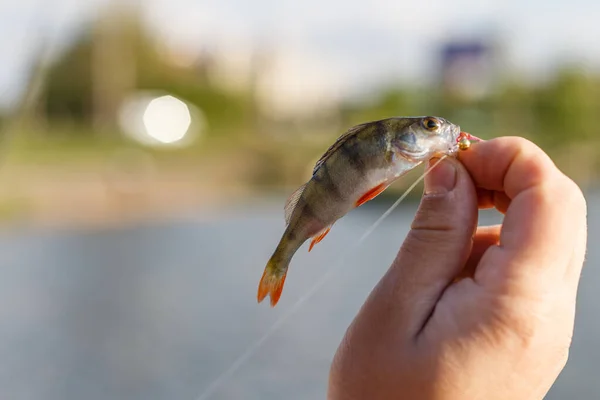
pixel 271 284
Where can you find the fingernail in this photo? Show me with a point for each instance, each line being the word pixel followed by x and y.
pixel 442 178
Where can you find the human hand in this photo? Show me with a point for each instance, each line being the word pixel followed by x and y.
pixel 467 312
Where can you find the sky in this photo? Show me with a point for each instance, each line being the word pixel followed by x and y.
pixel 341 46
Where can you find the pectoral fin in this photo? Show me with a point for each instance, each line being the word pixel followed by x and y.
pixel 371 194
pixel 319 236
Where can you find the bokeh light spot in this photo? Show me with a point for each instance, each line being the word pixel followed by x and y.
pixel 167 119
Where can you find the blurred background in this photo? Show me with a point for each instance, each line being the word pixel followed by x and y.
pixel 147 148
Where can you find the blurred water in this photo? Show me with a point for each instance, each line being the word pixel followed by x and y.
pixel 159 311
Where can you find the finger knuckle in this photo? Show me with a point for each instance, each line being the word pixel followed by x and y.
pixel 567 193
pixel 433 203
pixel 526 326
pixel 429 218
pixel 575 195
pixel 559 351
pixel 538 164
pixel 518 142
pixel 421 237
pixel 563 353
pixel 520 322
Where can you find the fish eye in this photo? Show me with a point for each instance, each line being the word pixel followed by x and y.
pixel 431 124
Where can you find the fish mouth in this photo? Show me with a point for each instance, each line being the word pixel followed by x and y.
pixel 455 136
pixel 456 132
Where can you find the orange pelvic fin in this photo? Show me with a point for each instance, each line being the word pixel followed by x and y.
pixel 271 284
pixel 319 237
pixel 371 194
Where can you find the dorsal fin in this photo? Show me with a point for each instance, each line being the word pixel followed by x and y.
pixel 338 143
pixel 291 202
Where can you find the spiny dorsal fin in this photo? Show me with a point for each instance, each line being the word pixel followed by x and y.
pixel 338 143
pixel 290 204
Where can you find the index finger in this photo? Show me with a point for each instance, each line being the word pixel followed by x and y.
pixel 538 236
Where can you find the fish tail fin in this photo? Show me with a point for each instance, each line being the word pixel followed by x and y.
pixel 272 281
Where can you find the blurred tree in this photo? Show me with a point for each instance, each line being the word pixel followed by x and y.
pixel 565 109
pixel 388 103
pixel 68 86
pixel 117 56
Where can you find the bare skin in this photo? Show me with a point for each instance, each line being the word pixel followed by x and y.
pixel 501 331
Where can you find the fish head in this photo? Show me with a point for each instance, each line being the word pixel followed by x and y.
pixel 421 138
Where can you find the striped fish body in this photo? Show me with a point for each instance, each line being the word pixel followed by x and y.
pixel 355 169
pixel 361 163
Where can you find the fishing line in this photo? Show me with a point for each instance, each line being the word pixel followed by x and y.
pixel 221 379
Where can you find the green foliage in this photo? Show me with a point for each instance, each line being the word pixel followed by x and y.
pixel 223 111
pixel 69 89
pixel 387 104
pixel 565 109
pixel 558 114
pixel 561 111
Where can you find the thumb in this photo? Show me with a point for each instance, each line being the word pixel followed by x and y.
pixel 434 251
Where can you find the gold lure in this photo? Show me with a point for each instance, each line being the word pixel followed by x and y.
pixel 464 143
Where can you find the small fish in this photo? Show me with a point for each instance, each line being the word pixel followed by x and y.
pixel 360 165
